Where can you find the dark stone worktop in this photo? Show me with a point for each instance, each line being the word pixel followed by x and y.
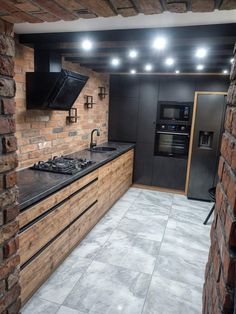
pixel 35 185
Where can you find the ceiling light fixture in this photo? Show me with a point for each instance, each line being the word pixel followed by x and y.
pixel 232 60
pixel 200 67
pixel 133 54
pixel 225 71
pixel 169 61
pixel 148 67
pixel 133 71
pixel 177 71
pixel 115 61
pixel 159 43
pixel 87 44
pixel 201 53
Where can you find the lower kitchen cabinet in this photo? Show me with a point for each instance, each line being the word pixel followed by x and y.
pixel 169 172
pixel 143 163
pixel 51 228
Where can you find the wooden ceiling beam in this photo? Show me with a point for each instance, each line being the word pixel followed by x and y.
pixel 16 13
pixel 56 10
pixel 100 8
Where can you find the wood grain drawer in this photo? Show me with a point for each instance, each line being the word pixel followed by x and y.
pixel 41 232
pixel 83 225
pixel 37 271
pixel 75 186
pixel 38 209
pixel 82 200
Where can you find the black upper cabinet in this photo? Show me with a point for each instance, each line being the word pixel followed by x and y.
pixel 177 89
pixel 212 84
pixel 124 86
pixel 147 109
pixel 123 116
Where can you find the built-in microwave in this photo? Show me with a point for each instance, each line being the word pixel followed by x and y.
pixel 175 111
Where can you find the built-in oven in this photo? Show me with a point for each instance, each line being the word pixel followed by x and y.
pixel 172 140
pixel 175 111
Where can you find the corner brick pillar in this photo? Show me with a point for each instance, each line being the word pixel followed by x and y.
pixel 220 285
pixel 9 258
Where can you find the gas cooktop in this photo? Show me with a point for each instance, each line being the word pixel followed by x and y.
pixel 64 165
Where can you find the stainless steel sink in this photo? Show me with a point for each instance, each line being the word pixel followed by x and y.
pixel 102 149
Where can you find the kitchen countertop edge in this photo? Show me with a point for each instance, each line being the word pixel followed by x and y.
pixel 33 200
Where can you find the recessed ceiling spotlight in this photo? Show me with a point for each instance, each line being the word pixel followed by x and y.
pixel 200 67
pixel 115 61
pixel 133 54
pixel 148 67
pixel 201 53
pixel 133 71
pixel 159 43
pixel 169 61
pixel 232 60
pixel 177 71
pixel 87 44
pixel 225 71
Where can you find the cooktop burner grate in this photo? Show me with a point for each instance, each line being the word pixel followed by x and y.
pixel 64 165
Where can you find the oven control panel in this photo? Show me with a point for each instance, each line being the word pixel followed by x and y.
pixel 173 128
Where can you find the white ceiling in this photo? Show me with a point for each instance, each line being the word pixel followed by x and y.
pixel 165 19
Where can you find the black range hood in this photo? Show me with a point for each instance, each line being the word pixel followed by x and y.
pixel 53 90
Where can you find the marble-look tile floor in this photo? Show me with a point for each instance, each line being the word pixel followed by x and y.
pixel 146 255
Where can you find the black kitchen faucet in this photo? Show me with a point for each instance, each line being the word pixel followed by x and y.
pixel 92 143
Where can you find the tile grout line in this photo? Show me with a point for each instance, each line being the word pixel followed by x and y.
pixel 93 259
pixel 145 299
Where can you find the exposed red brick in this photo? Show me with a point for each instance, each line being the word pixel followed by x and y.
pixel 7 267
pixel 9 230
pixel 8 105
pixel 9 298
pixel 7 125
pixel 9 144
pixel 11 247
pixel 10 179
pixel 10 213
pixel 6 66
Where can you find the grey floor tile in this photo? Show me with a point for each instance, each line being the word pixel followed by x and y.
pixel 67 310
pixel 171 297
pixel 180 269
pixel 62 281
pixel 188 235
pixel 129 251
pixel 40 306
pixel 155 198
pixel 109 289
pixel 145 222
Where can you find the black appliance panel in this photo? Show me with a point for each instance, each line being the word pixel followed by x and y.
pixel 173 111
pixel 172 140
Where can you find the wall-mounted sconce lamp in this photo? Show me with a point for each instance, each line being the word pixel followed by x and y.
pixel 89 101
pixel 73 116
pixel 102 92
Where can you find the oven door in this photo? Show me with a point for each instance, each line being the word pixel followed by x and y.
pixel 171 144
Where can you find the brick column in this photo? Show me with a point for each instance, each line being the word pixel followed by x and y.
pixel 220 284
pixel 9 258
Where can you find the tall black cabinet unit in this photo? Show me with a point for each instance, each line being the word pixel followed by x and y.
pixel 146 125
pixel 133 109
pixel 206 139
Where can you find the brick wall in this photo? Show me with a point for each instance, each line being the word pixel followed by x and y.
pixel 43 134
pixel 220 281
pixel 9 259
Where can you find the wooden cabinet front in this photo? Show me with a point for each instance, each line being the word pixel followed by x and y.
pixel 53 227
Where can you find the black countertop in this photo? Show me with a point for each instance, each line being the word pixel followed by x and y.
pixel 35 185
